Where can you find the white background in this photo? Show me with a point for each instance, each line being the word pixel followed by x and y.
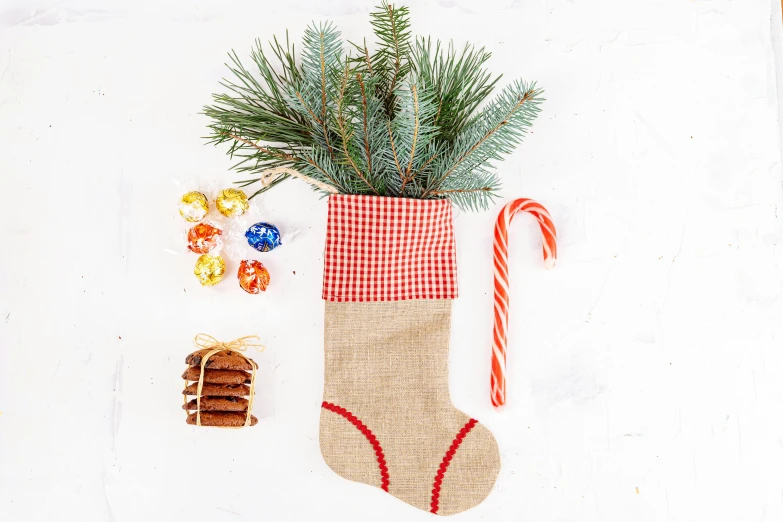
pixel 646 370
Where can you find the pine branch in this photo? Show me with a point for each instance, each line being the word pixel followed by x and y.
pixel 276 153
pixel 459 82
pixel 275 171
pixel 286 56
pixel 493 132
pixel 398 122
pixel 257 105
pixel 265 187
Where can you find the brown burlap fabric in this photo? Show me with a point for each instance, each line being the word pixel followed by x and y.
pixel 388 420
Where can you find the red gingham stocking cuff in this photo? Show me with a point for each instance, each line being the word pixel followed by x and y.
pixel 389 249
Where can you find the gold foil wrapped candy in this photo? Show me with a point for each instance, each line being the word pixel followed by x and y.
pixel 209 269
pixel 232 202
pixel 193 206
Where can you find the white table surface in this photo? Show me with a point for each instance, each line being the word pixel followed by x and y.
pixel 645 371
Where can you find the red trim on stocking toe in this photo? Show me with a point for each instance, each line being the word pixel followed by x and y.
pixel 446 461
pixel 371 438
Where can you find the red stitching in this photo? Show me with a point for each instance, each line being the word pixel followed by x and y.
pixel 350 417
pixel 446 461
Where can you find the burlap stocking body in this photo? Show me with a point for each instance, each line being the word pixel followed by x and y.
pixel 387 419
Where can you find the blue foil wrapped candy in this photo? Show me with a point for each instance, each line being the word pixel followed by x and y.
pixel 263 237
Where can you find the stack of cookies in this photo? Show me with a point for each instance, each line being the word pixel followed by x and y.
pixel 227 379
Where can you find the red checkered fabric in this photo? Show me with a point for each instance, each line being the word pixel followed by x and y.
pixel 389 249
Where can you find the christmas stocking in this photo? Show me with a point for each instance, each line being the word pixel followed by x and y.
pixel 387 419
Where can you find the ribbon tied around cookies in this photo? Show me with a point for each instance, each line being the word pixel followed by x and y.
pixel 207 342
pixel 204 341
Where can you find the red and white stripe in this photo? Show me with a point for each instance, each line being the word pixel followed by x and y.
pixel 498 376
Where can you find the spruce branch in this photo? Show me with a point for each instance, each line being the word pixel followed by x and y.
pixel 370 140
pixel 416 127
pixel 461 191
pixel 367 57
pixel 322 52
pixel 411 133
pixel 399 121
pixel 346 130
pixel 394 152
pixel 392 59
pixel 319 165
pixel 365 117
pixel 395 46
pixel 470 192
pixel 301 99
pixel 426 164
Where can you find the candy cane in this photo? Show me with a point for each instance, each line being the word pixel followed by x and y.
pixel 498 376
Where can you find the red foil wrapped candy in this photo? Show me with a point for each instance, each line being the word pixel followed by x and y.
pixel 253 276
pixel 203 237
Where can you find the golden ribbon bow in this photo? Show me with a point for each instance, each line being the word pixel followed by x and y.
pixel 207 342
pixel 203 341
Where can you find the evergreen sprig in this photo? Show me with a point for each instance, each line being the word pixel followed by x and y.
pixel 402 121
pixel 460 82
pixel 493 132
pixel 391 62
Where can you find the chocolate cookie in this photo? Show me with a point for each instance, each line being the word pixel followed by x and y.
pixel 218 404
pixel 219 361
pixel 217 376
pixel 221 390
pixel 222 418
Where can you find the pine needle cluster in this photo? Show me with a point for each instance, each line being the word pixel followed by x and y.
pixel 402 120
